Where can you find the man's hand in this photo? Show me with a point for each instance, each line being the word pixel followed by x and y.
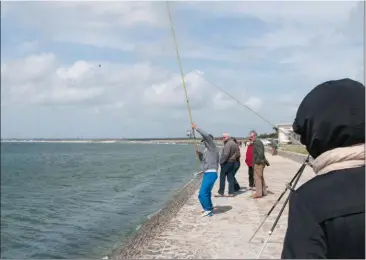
pixel 198 150
pixel 194 126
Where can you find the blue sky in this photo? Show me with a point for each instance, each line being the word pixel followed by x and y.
pixel 267 54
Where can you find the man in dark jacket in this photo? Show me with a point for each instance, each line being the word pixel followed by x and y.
pixel 259 162
pixel 227 163
pixel 327 214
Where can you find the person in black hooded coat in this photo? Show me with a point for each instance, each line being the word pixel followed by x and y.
pixel 327 214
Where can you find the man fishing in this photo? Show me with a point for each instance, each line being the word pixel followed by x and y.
pixel 209 165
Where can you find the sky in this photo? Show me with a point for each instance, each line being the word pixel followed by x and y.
pixel 268 55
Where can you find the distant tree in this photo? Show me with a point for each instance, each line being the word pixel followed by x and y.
pixel 269 135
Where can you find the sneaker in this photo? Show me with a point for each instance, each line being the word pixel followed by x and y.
pixel 207 213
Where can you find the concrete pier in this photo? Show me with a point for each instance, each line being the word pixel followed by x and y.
pixel 226 234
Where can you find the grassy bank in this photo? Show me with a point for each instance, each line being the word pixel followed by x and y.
pixel 294 148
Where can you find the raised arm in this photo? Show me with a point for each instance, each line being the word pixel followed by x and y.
pixel 211 145
pixel 200 155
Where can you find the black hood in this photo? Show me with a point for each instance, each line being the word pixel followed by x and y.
pixel 332 115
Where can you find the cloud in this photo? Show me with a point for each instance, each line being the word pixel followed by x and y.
pixel 91 23
pixel 171 93
pixel 254 103
pixel 27 47
pixel 111 68
pixel 40 80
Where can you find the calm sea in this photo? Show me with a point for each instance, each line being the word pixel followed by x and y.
pixel 68 200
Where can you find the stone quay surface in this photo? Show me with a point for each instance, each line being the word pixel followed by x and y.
pixel 226 234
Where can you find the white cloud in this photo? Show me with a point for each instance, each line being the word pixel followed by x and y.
pixel 171 93
pixel 39 79
pixel 92 23
pixel 254 103
pixel 77 70
pixel 27 47
pixel 270 69
pixel 305 12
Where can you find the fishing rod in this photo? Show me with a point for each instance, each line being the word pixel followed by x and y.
pixel 214 85
pixel 181 74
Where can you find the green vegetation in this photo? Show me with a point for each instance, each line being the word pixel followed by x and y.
pixel 295 148
pixel 273 135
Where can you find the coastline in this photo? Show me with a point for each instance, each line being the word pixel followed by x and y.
pixel 157 223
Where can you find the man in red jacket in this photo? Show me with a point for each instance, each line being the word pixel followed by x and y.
pixel 249 162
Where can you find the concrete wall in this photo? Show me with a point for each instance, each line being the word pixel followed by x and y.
pixel 157 223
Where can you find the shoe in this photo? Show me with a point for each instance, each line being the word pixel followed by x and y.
pixel 207 213
pixel 218 195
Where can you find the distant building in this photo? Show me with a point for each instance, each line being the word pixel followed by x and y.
pixel 189 134
pixel 285 132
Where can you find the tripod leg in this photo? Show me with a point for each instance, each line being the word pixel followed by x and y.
pixel 280 213
pixel 278 200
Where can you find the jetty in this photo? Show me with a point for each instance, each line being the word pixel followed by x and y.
pixel 226 235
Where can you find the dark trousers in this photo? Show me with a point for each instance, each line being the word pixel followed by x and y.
pixel 251 177
pixel 227 172
pixel 236 184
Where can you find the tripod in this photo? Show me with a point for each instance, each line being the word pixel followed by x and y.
pixel 290 186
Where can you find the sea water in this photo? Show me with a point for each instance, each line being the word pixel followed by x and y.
pixel 82 200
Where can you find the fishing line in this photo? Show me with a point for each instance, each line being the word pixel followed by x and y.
pixel 181 72
pixel 214 85
pixel 246 106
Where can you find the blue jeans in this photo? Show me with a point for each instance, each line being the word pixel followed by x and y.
pixel 227 172
pixel 236 184
pixel 204 195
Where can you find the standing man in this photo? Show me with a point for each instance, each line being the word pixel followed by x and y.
pixel 236 165
pixel 227 163
pixel 259 162
pixel 209 165
pixel 249 162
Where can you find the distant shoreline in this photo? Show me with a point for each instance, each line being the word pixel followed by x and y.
pixel 155 141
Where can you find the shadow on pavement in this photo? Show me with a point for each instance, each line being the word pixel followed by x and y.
pixel 269 192
pixel 221 209
pixel 243 190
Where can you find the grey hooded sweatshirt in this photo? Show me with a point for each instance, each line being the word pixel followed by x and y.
pixel 210 156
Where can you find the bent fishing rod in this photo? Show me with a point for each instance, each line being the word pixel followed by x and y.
pixel 182 75
pixel 212 84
